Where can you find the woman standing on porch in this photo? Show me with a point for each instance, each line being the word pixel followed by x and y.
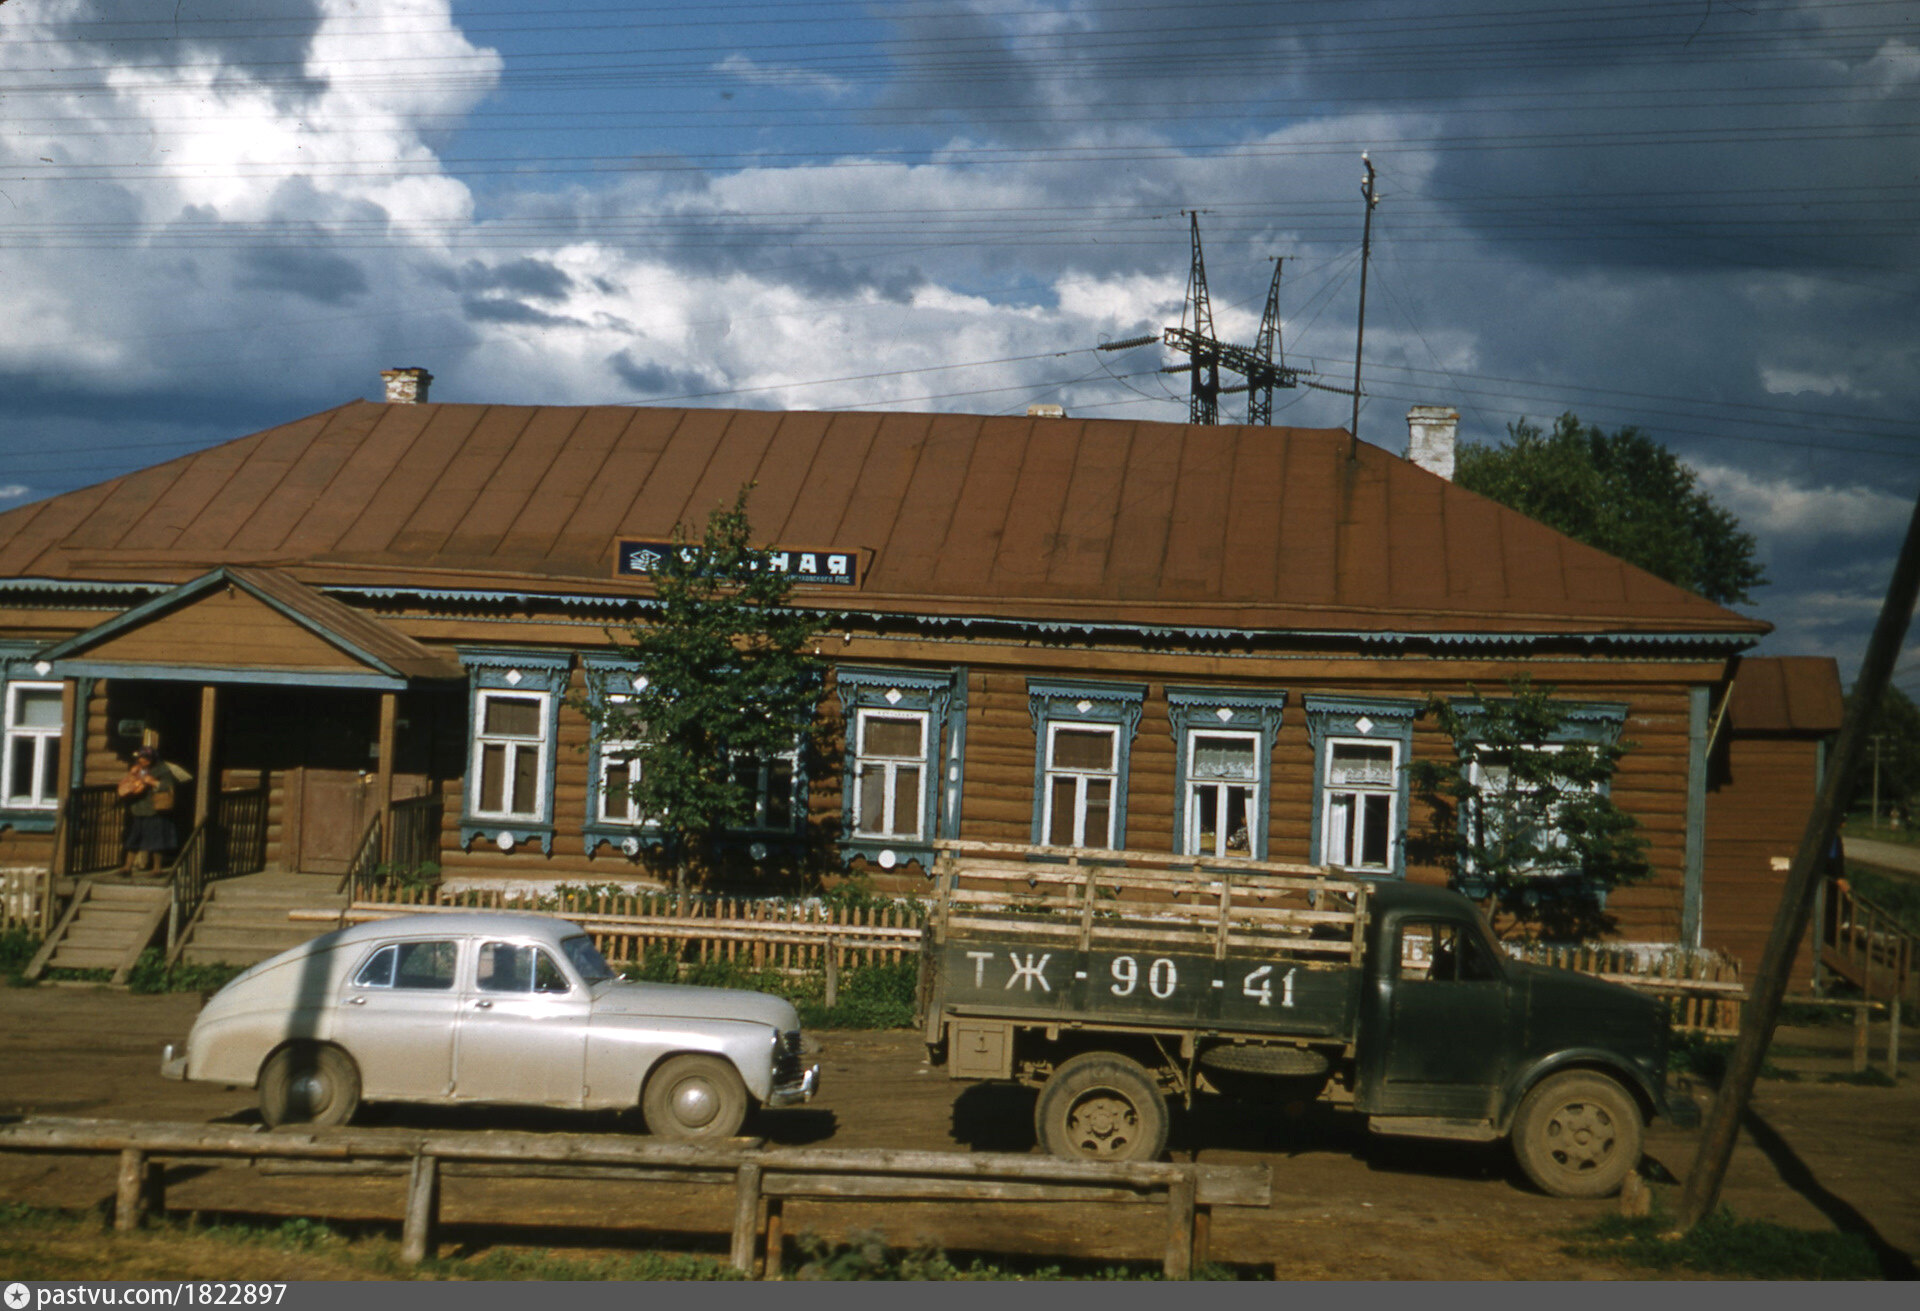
pixel 149 789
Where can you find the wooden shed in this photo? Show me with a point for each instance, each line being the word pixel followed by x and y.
pixel 1209 640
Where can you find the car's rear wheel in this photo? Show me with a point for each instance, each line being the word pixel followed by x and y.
pixel 1102 1107
pixel 1578 1135
pixel 309 1083
pixel 695 1099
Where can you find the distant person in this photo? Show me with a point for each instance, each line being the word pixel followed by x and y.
pixel 149 790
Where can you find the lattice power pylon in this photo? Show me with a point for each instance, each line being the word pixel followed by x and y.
pixel 1207 355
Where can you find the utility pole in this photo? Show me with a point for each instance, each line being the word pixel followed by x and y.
pixel 1208 355
pixel 1260 387
pixel 1762 1010
pixel 1876 739
pixel 1360 334
pixel 1203 400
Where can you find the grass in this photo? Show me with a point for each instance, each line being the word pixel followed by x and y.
pixel 37 1243
pixel 1726 1245
pixel 1706 1058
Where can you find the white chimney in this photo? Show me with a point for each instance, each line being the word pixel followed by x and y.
pixel 407 386
pixel 1043 411
pixel 1431 430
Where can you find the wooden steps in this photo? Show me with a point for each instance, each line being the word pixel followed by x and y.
pixel 106 928
pixel 244 921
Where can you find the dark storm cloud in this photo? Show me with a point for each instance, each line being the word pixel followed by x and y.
pixel 655 379
pixel 499 309
pixel 267 48
pixel 309 271
pixel 524 277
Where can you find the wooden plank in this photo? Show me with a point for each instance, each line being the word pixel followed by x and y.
pixel 1178 1263
pixel 129 1195
pixel 746 1217
pixel 902 1188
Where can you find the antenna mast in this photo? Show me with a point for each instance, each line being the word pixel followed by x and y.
pixel 1360 333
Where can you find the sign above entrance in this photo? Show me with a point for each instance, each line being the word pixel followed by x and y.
pixel 808 568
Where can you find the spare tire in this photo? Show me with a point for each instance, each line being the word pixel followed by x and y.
pixel 1268 1062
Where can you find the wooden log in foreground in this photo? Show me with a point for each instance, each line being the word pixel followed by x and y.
pixel 760 1177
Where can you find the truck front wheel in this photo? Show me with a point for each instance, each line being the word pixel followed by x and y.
pixel 1577 1135
pixel 1102 1107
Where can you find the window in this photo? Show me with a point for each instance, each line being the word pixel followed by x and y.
pixel 29 769
pixel 1082 781
pixel 1361 748
pixel 510 755
pixel 617 766
pixel 897 719
pixel 506 967
pixel 890 773
pixel 1224 743
pixel 419 965
pixel 1445 951
pixel 1359 825
pixel 774 785
pixel 1083 741
pixel 513 717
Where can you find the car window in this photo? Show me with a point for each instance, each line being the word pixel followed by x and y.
pixel 1444 952
pixel 507 967
pixel 427 965
pixel 586 958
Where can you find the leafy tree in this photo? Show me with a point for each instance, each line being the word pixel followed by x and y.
pixel 1896 724
pixel 724 676
pixel 1622 492
pixel 1521 818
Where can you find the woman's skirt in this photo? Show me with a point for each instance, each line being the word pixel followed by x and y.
pixel 151 833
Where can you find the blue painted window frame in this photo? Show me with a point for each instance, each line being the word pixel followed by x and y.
pixel 1258 711
pixel 607 675
pixel 935 696
pixel 16 667
pixel 1334 719
pixel 1580 721
pixel 523 672
pixel 1056 701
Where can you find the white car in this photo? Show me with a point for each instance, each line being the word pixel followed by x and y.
pixel 478 1007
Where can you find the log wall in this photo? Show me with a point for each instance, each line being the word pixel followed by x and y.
pixel 1762 789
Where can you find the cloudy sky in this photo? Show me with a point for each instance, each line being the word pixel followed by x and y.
pixel 1702 218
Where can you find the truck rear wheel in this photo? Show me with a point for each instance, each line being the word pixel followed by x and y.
pixel 1102 1107
pixel 1577 1135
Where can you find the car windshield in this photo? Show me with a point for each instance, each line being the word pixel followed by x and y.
pixel 587 959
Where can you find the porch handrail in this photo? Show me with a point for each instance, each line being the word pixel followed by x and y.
pixel 1869 945
pixel 416 831
pixel 363 869
pixel 94 829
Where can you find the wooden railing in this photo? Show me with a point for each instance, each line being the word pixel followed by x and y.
pixel 1868 946
pixel 363 871
pixel 794 937
pixel 416 831
pixel 94 828
pixel 762 1179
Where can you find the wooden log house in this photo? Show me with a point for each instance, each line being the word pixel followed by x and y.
pixel 1094 632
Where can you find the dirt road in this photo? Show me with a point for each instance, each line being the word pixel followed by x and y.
pixel 1345 1205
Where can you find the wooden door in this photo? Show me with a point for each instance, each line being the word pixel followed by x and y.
pixel 334 806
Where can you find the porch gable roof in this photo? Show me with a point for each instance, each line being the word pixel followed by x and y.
pixel 268 626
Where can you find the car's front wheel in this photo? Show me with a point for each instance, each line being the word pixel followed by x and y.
pixel 695 1099
pixel 309 1083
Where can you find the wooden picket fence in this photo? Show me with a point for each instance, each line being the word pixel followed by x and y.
pixel 23 895
pixel 1703 986
pixel 788 936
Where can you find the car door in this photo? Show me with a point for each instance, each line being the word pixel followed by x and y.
pixel 1445 1047
pixel 523 1028
pixel 396 1017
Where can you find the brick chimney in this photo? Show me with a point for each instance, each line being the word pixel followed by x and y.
pixel 1431 430
pixel 407 386
pixel 1042 411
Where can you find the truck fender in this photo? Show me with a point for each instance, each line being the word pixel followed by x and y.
pixel 1599 1060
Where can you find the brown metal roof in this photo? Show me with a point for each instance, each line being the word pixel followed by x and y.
pixel 1069 519
pixel 1786 694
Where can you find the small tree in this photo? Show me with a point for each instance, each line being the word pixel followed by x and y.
pixel 723 675
pixel 1521 818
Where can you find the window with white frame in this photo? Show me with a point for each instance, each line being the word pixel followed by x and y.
pixel 1361 748
pixel 1223 742
pixel 1510 814
pixel 890 773
pixel 1223 778
pixel 1083 771
pixel 29 767
pixel 510 755
pixel 618 762
pixel 1360 798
